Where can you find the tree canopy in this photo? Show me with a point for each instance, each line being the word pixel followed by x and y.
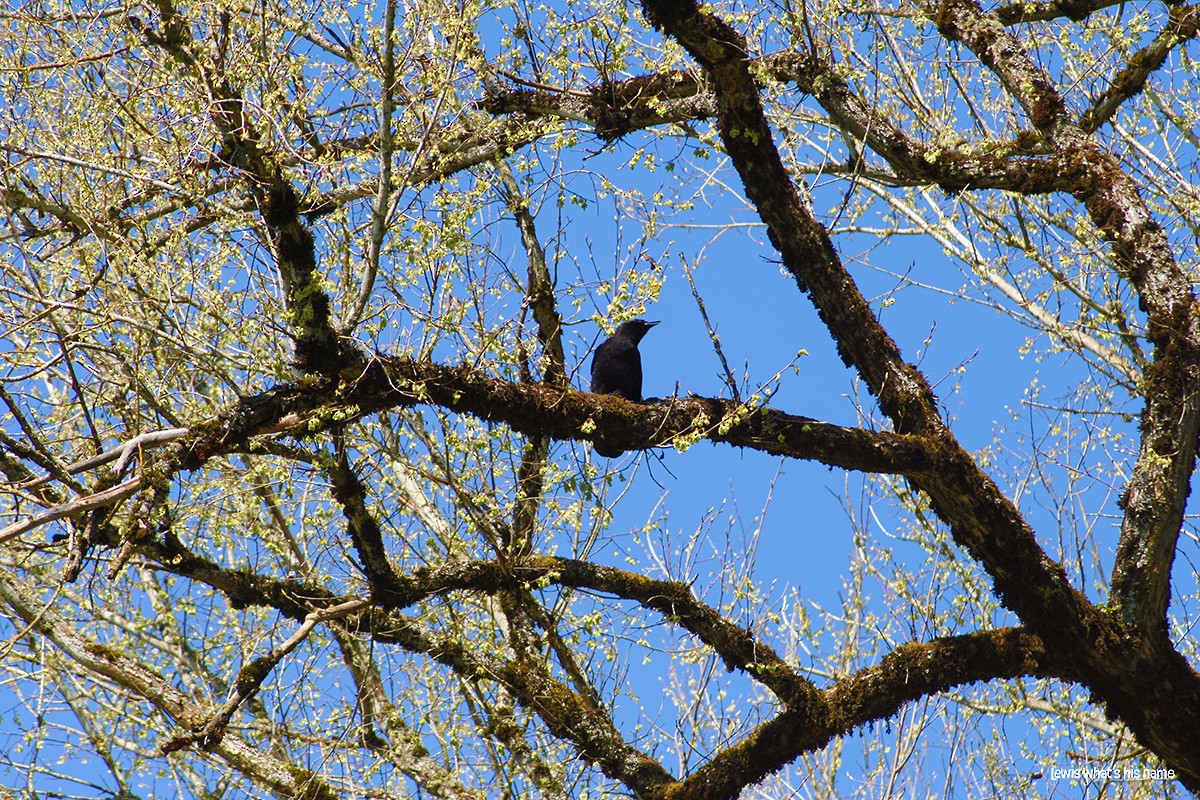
pixel 301 490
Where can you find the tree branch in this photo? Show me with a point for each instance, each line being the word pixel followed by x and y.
pixel 392 382
pixel 1182 25
pixel 1047 10
pixel 620 107
pixel 319 348
pixel 981 518
pixel 284 779
pixel 810 719
pixel 909 672
pixel 1156 495
pixel 250 677
pixel 100 499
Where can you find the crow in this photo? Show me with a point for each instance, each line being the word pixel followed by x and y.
pixel 617 366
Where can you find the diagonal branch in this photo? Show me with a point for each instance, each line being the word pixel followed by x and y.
pixel 981 518
pixel 1182 25
pixel 805 246
pixel 282 778
pixel 1156 495
pixel 250 677
pixel 319 348
pixel 908 673
pixel 568 716
pixel 363 528
pixel 100 499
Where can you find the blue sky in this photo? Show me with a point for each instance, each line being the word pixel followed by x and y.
pixel 764 320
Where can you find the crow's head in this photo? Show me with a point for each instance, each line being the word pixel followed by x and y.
pixel 635 329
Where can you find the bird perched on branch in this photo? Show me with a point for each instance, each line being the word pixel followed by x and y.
pixel 617 366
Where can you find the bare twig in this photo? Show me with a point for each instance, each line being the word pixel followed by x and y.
pixel 730 380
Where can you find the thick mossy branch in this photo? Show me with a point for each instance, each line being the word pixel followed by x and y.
pixel 619 107
pixel 566 714
pixel 908 673
pixel 805 246
pixel 388 382
pixel 1046 10
pixel 982 518
pixel 364 530
pixel 319 348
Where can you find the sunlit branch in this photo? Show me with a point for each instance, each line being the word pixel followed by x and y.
pixel 285 778
pixel 304 28
pixel 381 209
pixel 250 677
pixel 909 672
pixel 567 715
pixel 564 414
pixel 810 717
pixel 617 108
pixel 122 454
pixel 68 219
pixel 475 142
pixel 91 167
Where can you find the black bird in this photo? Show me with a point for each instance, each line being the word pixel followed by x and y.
pixel 617 366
